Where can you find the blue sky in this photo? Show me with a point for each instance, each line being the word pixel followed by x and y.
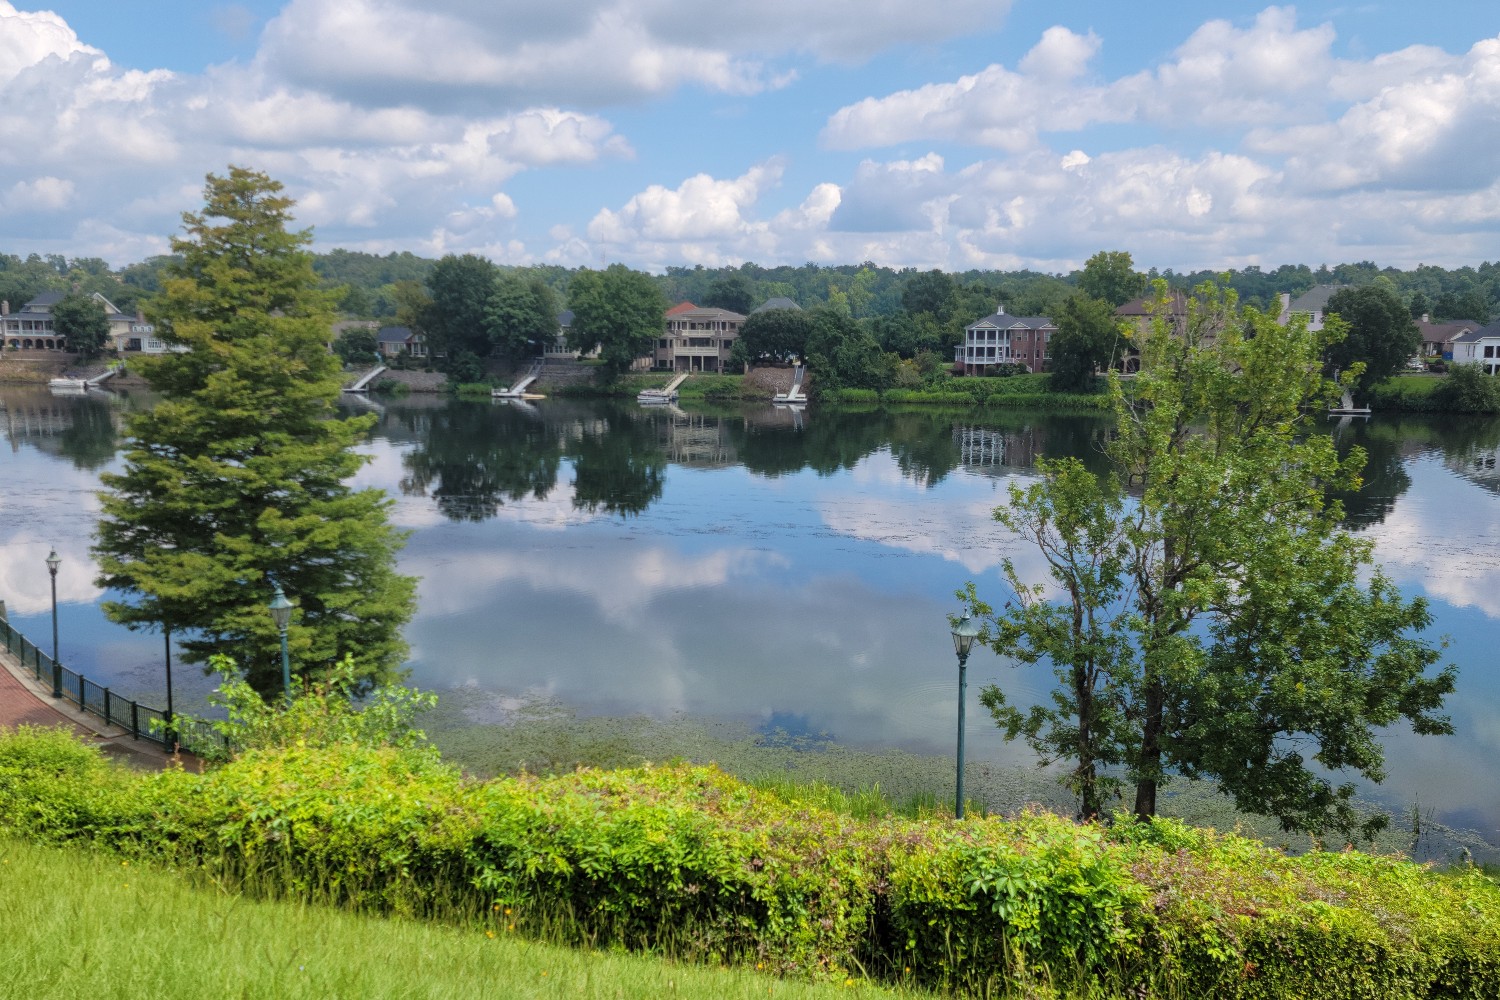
pixel 967 134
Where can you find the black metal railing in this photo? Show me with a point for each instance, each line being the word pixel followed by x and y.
pixel 142 721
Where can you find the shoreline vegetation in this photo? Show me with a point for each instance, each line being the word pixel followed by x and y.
pixel 689 863
pixel 489 737
pixel 1400 394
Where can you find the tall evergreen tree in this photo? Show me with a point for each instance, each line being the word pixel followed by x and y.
pixel 238 476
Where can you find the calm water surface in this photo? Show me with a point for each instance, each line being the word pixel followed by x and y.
pixel 774 567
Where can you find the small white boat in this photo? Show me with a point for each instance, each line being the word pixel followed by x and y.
pixel 656 397
pixel 68 384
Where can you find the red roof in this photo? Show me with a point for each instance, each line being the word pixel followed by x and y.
pixel 681 307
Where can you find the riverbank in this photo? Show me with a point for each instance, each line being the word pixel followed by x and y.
pixel 491 737
pixel 33 367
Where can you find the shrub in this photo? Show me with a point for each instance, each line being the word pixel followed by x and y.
pixel 1467 389
pixel 390 387
pixel 1407 394
pixel 55 789
pixel 689 861
pixel 322 713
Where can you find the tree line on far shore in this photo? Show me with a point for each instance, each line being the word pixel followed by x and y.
pixel 472 308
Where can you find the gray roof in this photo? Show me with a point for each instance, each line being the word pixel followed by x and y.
pixel 705 313
pixel 1006 321
pixel 44 301
pixel 1491 332
pixel 393 335
pixel 1315 299
pixel 1445 331
pixel 779 302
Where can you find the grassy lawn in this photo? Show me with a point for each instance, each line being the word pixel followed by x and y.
pixel 78 924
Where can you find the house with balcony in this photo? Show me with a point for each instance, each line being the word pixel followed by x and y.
pixel 1003 339
pixel 696 339
pixel 31 328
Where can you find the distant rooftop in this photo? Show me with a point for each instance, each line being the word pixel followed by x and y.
pixel 779 302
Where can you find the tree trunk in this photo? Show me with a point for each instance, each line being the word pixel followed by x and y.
pixel 1088 788
pixel 1150 762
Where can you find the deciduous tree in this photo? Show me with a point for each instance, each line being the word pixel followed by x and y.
pixel 356 346
pixel 1087 341
pixel 1214 619
pixel 779 334
pixel 842 354
pixel 1381 335
pixel 521 318
pixel 237 477
pixel 617 310
pixel 929 292
pixel 732 292
pixel 456 321
pixel 81 319
pixel 1110 275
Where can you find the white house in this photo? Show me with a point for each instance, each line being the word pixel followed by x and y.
pixel 1478 347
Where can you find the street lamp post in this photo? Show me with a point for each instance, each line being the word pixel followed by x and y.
pixel 53 561
pixel 963 640
pixel 170 734
pixel 281 614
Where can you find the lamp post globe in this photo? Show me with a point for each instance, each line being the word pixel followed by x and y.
pixel 54 561
pixel 281 614
pixel 964 634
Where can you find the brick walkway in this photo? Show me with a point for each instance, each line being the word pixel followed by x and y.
pixel 25 702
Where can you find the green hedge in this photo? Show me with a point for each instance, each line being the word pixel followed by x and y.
pixel 694 863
